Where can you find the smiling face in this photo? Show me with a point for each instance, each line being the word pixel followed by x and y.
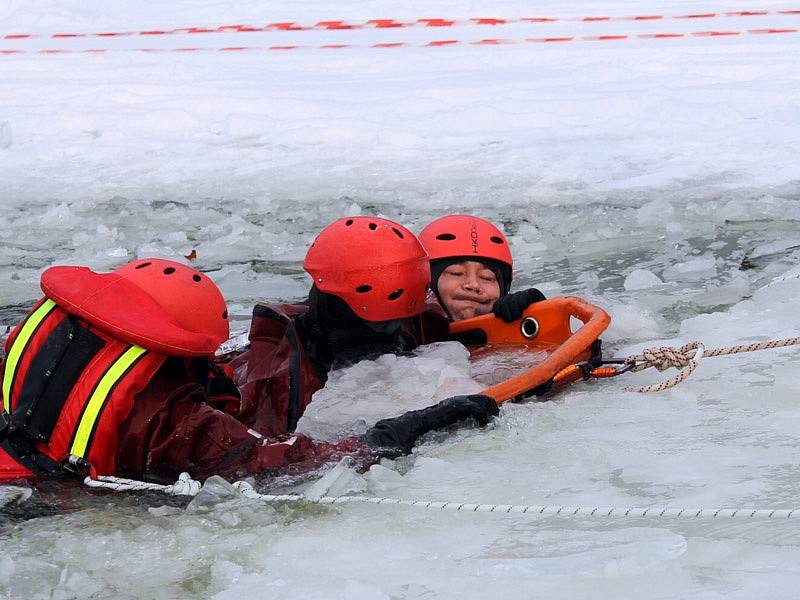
pixel 468 289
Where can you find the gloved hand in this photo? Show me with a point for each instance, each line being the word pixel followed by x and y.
pixel 511 306
pixel 393 437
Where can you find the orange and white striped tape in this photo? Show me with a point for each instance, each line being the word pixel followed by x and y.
pixel 430 44
pixel 340 24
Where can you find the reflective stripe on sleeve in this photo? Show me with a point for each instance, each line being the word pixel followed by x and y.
pixel 26 333
pixel 93 408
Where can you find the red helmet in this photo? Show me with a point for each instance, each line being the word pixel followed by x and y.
pixel 185 294
pixel 376 266
pixel 464 235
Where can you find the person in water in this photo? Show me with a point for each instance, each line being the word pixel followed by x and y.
pixel 472 269
pixel 368 297
pixel 111 374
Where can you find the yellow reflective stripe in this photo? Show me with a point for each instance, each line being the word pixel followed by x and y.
pixel 25 334
pixel 98 399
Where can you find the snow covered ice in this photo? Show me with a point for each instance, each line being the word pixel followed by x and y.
pixel 657 177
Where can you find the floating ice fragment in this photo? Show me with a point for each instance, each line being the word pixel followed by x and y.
pixel 214 490
pixel 155 249
pixel 777 247
pixel 549 288
pixel 58 216
pixel 654 213
pixel 793 273
pixel 13 493
pixel 356 397
pixel 731 292
pixel 641 279
pixel 339 481
pixel 116 252
pixel 630 322
pixel 694 269
pixel 590 280
pixel 382 480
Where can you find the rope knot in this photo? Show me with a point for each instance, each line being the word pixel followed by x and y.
pixel 686 358
pixel 666 358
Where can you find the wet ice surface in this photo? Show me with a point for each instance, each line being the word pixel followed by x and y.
pixel 657 179
pixel 356 397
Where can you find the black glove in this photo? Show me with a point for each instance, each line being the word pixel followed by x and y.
pixel 392 437
pixel 511 306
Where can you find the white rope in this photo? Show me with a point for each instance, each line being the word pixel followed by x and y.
pixel 544 510
pixel 186 486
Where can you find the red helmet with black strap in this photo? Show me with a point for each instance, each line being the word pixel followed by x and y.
pixel 467 237
pixel 159 304
pixel 377 266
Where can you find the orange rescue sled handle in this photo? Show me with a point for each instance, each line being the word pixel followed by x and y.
pixel 544 324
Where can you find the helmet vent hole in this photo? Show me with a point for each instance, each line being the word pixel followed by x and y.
pixel 197 278
pixel 397 232
pixel 446 237
pixel 373 226
pixel 395 294
pixel 143 265
pixel 225 315
pixel 496 239
pixel 169 270
pixel 363 289
pixel 348 222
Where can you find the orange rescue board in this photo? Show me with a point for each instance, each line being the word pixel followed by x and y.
pixel 544 324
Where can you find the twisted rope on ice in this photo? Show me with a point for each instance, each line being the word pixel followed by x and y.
pixel 687 358
pixel 185 486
